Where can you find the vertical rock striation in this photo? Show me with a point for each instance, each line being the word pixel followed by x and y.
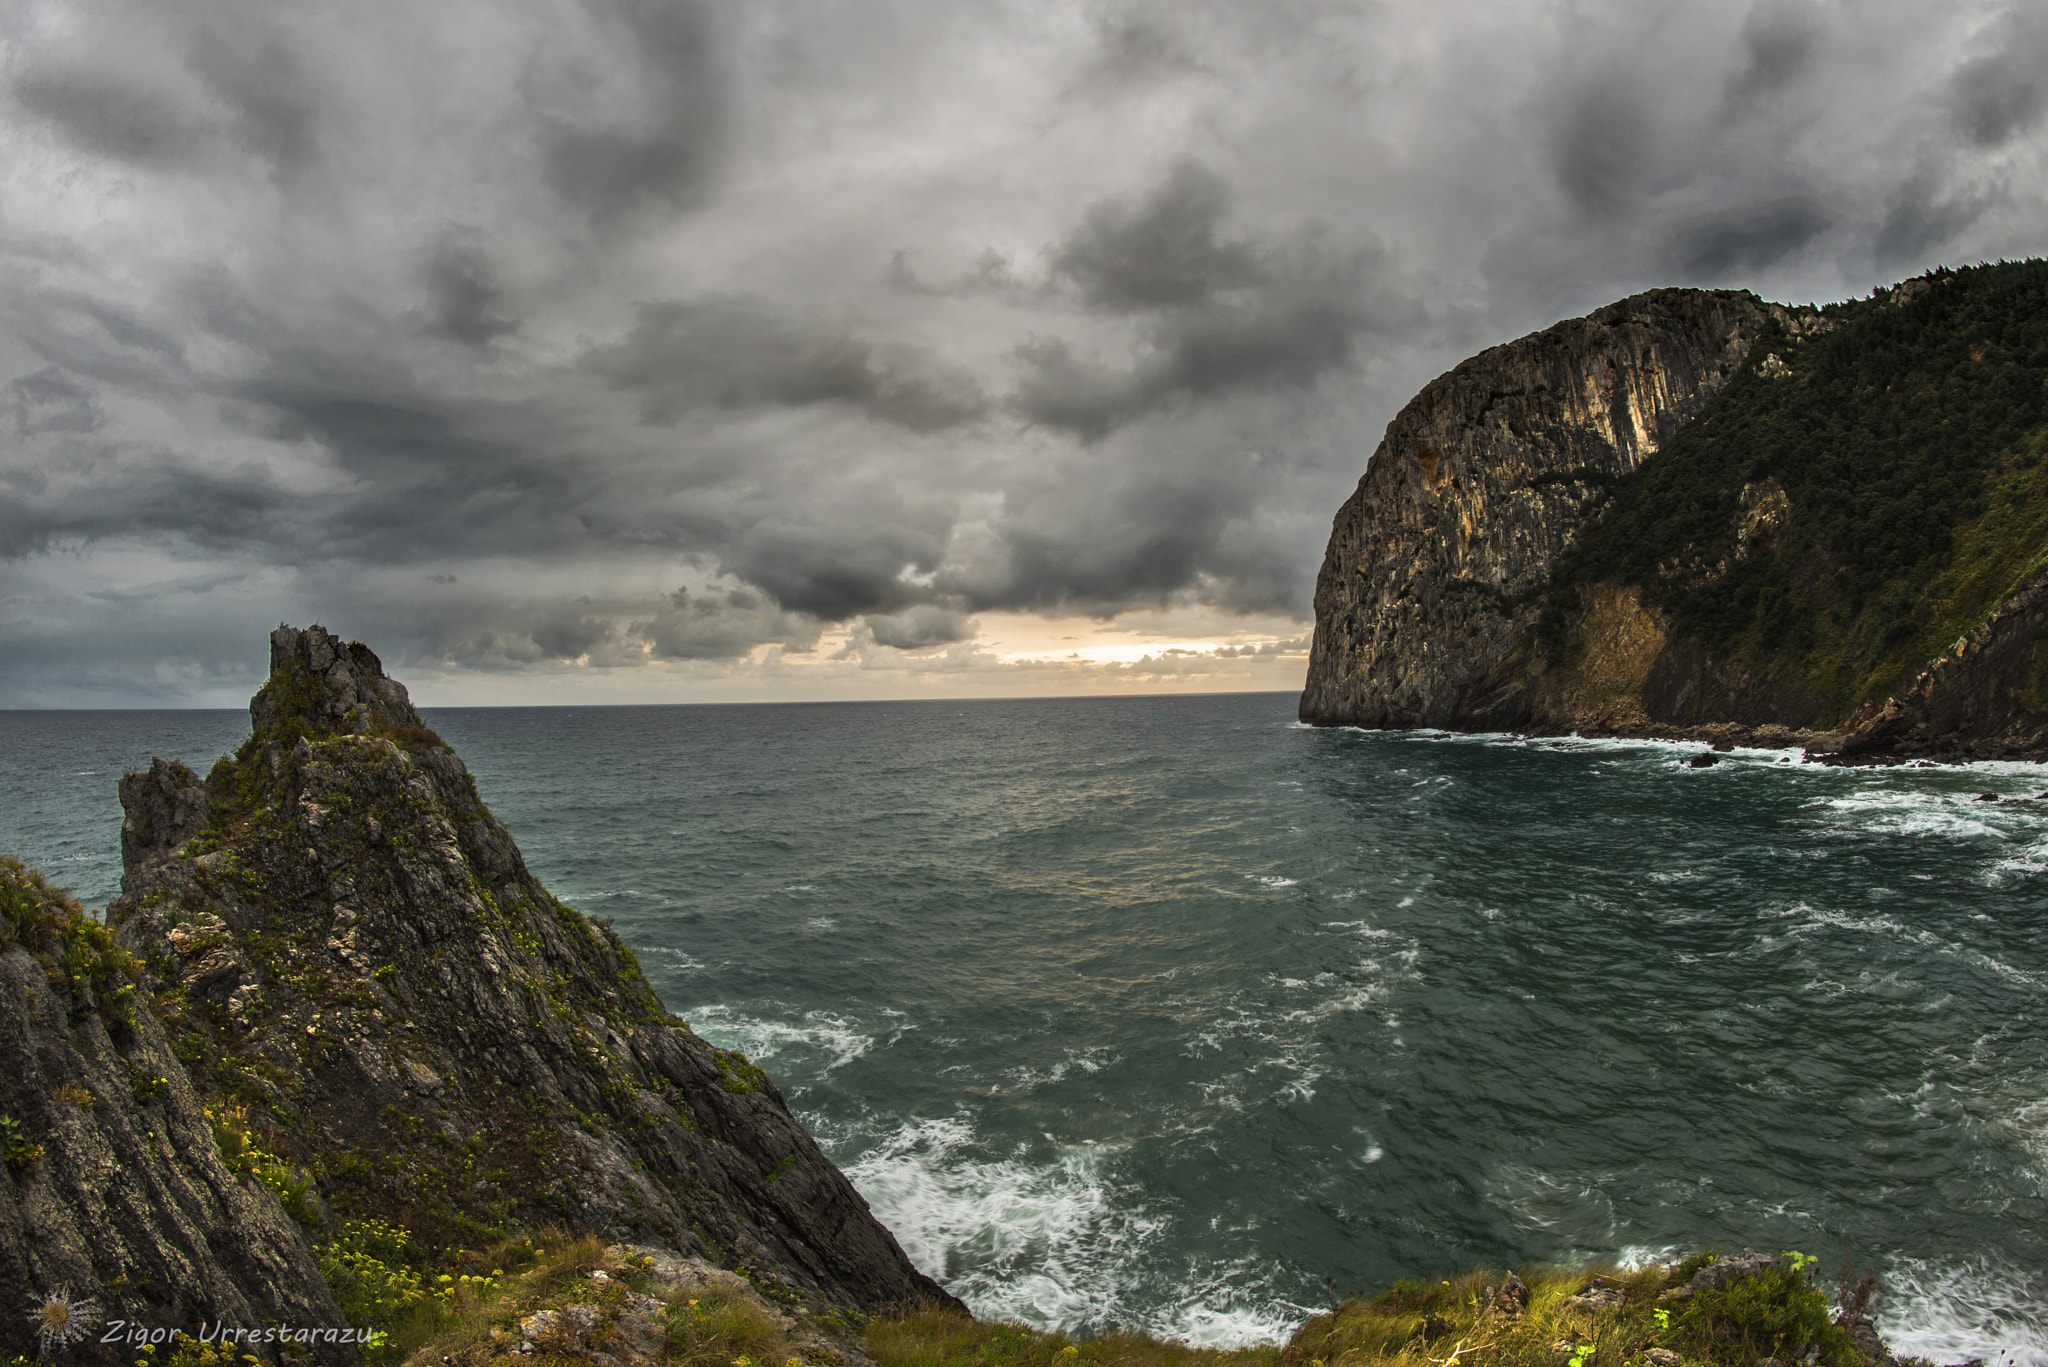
pixel 1426 592
pixel 113 1191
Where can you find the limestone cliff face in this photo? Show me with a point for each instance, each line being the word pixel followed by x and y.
pixel 350 945
pixel 113 1190
pixel 1480 484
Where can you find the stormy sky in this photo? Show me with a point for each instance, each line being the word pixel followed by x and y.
pixel 593 350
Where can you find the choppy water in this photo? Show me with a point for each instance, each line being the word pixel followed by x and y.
pixel 1157 1012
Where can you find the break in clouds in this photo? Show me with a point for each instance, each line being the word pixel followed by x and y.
pixel 632 332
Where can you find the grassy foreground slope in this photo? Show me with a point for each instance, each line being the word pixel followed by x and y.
pixel 623 1306
pixel 1853 501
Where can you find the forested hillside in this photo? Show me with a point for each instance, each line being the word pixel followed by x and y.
pixel 1854 500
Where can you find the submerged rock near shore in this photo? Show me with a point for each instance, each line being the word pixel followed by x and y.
pixel 1696 514
pixel 333 947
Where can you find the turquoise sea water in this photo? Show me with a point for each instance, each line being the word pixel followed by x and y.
pixel 1157 1012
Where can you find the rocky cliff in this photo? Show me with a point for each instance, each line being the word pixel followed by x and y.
pixel 1697 514
pixel 115 1201
pixel 1429 585
pixel 347 946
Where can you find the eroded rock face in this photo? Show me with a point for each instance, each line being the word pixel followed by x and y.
pixel 1480 484
pixel 1965 705
pixel 354 944
pixel 114 1191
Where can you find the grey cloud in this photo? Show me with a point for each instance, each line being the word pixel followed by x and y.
pixel 1779 44
pixel 140 496
pixel 462 284
pixel 2001 94
pixel 1750 237
pixel 108 114
pixel 51 401
pixel 991 273
pixel 567 634
pixel 1921 215
pixel 1162 251
pixel 1303 323
pixel 1176 510
pixel 427 485
pixel 737 352
pixel 833 570
pixel 1601 143
pixel 922 627
pixel 258 74
pixel 108 341
pixel 714 626
pixel 610 163
pixel 1264 651
pixel 1218 315
pixel 1137 50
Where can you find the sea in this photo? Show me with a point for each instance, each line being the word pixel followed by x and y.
pixel 1173 1014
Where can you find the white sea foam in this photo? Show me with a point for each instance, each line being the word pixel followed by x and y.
pixel 838 1040
pixel 1950 1312
pixel 1047 1242
pixel 1056 1240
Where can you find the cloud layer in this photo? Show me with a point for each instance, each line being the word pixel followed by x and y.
pixel 555 335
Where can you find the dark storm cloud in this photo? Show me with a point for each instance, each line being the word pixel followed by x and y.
pixel 1161 252
pixel 145 498
pixel 1921 215
pixel 1167 526
pixel 567 634
pixel 736 352
pixel 833 570
pixel 924 627
pixel 2001 94
pixel 663 148
pixel 715 626
pixel 1601 143
pixel 1217 314
pixel 462 283
pixel 1286 339
pixel 259 75
pixel 51 401
pixel 1751 238
pixel 108 114
pixel 105 339
pixel 424 482
pixel 1779 44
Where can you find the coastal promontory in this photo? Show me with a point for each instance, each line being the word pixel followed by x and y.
pixel 331 997
pixel 1694 513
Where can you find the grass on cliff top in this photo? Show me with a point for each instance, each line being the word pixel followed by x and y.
pixel 76 951
pixel 1780 1314
pixel 451 1320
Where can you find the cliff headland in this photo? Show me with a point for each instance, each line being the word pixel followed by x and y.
pixel 1697 514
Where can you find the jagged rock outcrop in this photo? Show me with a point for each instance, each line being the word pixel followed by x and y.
pixel 351 946
pixel 1427 589
pixel 113 1191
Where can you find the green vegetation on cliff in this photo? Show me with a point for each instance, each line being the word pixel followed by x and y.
pixel 1907 432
